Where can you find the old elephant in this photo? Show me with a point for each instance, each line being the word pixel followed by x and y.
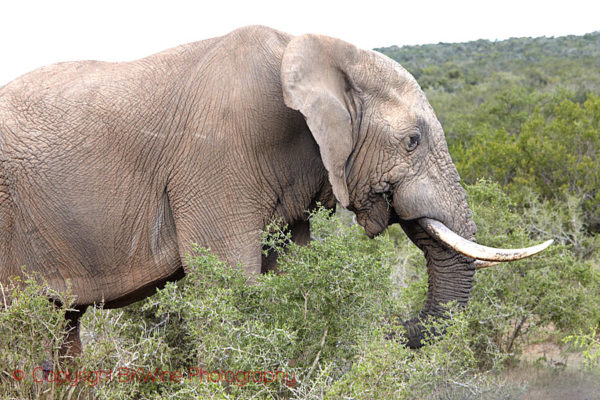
pixel 110 171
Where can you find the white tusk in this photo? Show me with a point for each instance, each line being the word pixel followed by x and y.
pixel 461 245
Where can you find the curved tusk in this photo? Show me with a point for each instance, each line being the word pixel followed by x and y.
pixel 461 245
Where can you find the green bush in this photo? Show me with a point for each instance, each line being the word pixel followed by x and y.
pixel 327 300
pixel 31 333
pixel 321 321
pixel 447 368
pixel 590 343
pixel 514 301
pixel 553 150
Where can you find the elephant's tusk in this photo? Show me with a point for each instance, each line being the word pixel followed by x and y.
pixel 461 245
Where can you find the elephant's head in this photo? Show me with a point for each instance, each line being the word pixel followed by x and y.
pixel 387 159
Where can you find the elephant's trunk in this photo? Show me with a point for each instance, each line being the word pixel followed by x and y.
pixel 450 278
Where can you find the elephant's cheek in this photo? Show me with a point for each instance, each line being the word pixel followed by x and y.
pixel 375 219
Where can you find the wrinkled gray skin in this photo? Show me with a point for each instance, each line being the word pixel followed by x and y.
pixel 110 171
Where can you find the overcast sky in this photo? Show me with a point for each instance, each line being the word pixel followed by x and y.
pixel 36 33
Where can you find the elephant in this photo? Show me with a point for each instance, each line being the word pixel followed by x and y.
pixel 111 171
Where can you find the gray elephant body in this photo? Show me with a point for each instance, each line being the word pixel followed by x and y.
pixel 110 171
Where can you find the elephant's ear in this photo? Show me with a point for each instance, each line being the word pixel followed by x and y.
pixel 316 80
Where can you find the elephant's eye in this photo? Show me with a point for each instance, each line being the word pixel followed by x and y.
pixel 413 141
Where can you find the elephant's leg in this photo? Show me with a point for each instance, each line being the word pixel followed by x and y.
pixel 71 345
pixel 300 235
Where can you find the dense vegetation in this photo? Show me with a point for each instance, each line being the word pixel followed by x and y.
pixel 522 122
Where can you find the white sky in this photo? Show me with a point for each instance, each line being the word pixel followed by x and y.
pixel 36 33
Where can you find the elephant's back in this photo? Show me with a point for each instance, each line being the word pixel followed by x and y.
pixel 53 75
